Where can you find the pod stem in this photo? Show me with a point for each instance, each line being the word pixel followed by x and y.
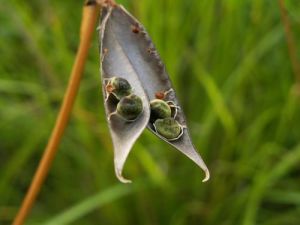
pixel 89 18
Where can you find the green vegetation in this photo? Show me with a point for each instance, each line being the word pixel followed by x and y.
pixel 229 64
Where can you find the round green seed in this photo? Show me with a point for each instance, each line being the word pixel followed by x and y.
pixel 168 128
pixel 119 87
pixel 160 109
pixel 130 107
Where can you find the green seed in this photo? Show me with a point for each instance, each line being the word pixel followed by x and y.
pixel 160 109
pixel 130 107
pixel 119 87
pixel 168 128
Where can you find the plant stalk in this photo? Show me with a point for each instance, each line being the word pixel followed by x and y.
pixel 89 18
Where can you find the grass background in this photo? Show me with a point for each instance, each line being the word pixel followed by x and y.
pixel 230 66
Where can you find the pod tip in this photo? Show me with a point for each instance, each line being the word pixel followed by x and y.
pixel 207 175
pixel 121 178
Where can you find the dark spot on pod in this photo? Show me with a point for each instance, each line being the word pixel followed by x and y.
pixel 160 95
pixel 151 51
pixel 135 29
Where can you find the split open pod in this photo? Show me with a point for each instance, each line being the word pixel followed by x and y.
pixel 128 52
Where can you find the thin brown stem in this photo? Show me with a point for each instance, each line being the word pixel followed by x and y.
pixel 290 41
pixel 90 13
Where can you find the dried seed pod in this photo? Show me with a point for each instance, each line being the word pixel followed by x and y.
pixel 159 109
pixel 129 108
pixel 119 87
pixel 135 58
pixel 169 128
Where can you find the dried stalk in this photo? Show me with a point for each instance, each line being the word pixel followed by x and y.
pixel 89 18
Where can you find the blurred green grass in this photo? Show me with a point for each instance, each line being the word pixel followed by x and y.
pixel 229 63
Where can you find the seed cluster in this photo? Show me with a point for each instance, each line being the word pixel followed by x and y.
pixel 163 114
pixel 129 105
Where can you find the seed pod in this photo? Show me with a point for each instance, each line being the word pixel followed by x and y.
pixel 134 57
pixel 130 107
pixel 119 87
pixel 169 128
pixel 159 109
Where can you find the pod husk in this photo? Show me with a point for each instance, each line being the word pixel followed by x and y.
pixel 128 51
